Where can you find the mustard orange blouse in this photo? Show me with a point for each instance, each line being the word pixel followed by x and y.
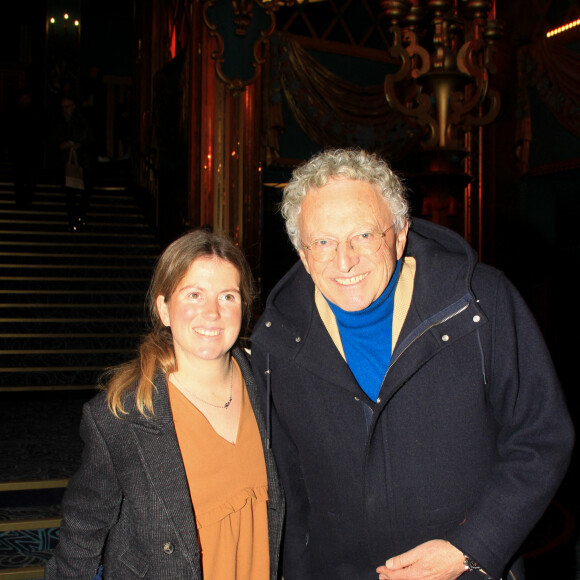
pixel 229 490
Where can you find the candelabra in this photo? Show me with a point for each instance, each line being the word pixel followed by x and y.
pixel 446 54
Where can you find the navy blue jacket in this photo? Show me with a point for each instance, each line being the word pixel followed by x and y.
pixel 468 441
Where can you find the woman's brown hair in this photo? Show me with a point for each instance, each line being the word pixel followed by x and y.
pixel 156 351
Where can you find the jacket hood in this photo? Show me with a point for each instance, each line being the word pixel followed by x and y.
pixel 444 258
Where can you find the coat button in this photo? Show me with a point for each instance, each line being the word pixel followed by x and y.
pixel 476 318
pixel 168 548
pixel 445 338
pixel 298 339
pixel 268 324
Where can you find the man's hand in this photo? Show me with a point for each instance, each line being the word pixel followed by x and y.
pixel 433 560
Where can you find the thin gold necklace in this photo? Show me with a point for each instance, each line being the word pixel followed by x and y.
pixel 224 406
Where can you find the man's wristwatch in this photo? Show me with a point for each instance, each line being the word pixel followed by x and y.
pixel 470 564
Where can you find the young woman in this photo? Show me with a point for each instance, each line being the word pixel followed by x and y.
pixel 176 480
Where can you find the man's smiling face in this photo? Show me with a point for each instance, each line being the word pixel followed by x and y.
pixel 337 211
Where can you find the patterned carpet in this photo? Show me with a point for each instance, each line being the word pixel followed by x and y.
pixel 35 447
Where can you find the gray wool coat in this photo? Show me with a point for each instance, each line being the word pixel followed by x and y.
pixel 128 506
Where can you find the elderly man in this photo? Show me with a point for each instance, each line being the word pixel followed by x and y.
pixel 417 420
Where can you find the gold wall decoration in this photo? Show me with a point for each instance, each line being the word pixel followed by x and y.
pixel 241 29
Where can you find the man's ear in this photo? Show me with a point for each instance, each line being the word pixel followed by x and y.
pixel 304 260
pixel 402 240
pixel 163 310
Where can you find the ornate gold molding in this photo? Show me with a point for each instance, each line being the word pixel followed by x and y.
pixel 243 15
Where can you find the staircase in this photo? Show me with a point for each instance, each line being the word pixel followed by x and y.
pixel 71 304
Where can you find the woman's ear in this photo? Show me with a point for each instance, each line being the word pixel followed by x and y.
pixel 163 310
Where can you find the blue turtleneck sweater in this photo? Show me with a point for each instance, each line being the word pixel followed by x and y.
pixel 367 338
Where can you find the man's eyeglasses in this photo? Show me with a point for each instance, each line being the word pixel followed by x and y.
pixel 363 243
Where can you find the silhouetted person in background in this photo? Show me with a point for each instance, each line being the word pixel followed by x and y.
pixel 124 127
pixel 25 131
pixel 94 107
pixel 73 132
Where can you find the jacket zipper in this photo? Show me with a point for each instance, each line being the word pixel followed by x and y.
pixel 465 307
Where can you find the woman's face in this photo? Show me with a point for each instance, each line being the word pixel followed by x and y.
pixel 205 310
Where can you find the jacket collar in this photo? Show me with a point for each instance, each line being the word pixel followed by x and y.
pixel 292 328
pixel 161 405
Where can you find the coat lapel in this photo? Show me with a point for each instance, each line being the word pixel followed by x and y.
pixel 160 455
pixel 332 365
pixel 275 493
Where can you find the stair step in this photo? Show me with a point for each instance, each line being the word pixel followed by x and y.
pixel 55 195
pixel 12 281
pixel 44 387
pixel 90 297
pixel 9 529
pixel 31 567
pixel 61 263
pixel 80 310
pixel 38 342
pixel 54 204
pixel 57 245
pixel 48 226
pixel 72 274
pixel 94 237
pixel 72 325
pixel 65 379
pixel 12 213
pixel 27 361
pixel 12 251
